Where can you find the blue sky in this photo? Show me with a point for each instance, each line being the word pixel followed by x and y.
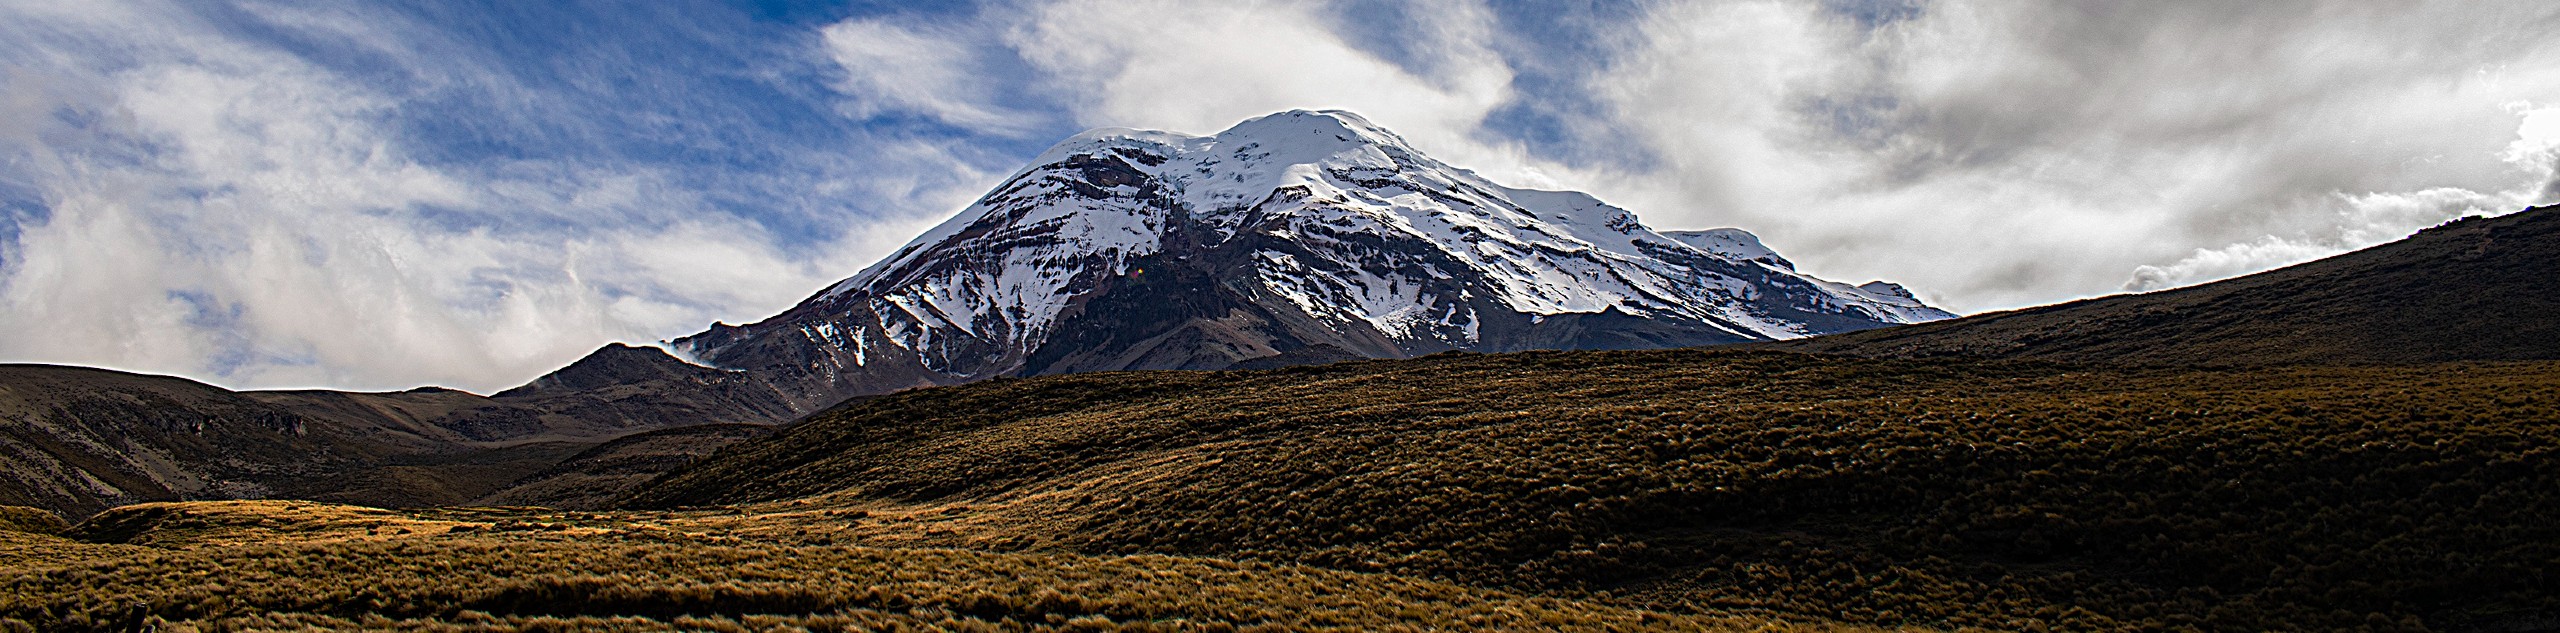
pixel 387 194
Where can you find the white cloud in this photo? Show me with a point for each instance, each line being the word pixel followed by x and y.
pixel 2536 149
pixel 1200 67
pixel 896 68
pixel 2371 219
pixel 1194 67
pixel 2229 261
pixel 225 211
pixel 2366 220
pixel 1994 154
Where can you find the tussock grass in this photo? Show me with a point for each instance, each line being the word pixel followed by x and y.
pixel 2007 495
pixel 280 566
pixel 30 520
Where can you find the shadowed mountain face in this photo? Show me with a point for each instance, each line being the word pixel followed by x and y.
pixel 2473 289
pixel 77 440
pixel 1296 237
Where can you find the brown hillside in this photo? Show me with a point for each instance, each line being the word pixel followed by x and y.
pixel 76 440
pixel 1932 493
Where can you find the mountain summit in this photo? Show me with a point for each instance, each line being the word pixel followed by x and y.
pixel 1296 237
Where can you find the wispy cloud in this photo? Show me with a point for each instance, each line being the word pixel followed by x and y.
pixel 1200 67
pixel 225 208
pixel 893 68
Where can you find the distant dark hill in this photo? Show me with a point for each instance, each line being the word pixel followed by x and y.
pixel 592 479
pixel 2473 289
pixel 77 440
pixel 627 387
pixel 1944 493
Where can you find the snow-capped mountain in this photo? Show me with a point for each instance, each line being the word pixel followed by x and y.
pixel 1295 237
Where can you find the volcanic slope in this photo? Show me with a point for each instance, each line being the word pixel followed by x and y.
pixel 78 440
pixel 293 566
pixel 2001 494
pixel 2472 289
pixel 1291 238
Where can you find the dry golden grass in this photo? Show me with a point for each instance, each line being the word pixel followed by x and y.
pixel 26 519
pixel 241 566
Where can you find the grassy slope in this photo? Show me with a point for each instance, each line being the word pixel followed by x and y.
pixel 1999 494
pixel 292 565
pixel 77 440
